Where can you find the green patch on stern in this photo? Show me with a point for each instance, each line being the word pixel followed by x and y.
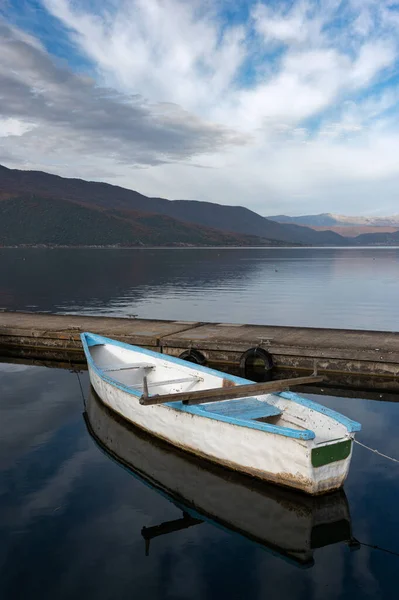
pixel 332 453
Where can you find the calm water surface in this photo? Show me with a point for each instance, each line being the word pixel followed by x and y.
pixel 72 517
pixel 356 288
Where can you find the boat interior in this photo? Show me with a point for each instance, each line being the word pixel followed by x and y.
pixel 139 372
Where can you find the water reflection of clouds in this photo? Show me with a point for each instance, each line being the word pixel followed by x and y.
pixel 77 515
pixel 13 368
pixel 320 287
pixel 35 403
pixel 52 473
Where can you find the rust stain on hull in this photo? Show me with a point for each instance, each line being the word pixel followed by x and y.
pixel 227 383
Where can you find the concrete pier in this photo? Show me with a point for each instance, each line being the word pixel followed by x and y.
pixel 347 359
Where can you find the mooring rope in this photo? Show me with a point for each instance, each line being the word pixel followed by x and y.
pixel 376 451
pixel 81 389
pixel 374 547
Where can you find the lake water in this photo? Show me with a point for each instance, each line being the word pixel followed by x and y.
pixel 72 516
pixel 315 287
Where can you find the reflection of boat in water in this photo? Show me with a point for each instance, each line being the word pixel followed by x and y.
pixel 289 524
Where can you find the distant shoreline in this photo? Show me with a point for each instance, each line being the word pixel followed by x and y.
pixel 138 247
pixel 196 247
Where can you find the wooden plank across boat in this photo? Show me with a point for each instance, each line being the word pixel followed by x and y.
pixel 278 437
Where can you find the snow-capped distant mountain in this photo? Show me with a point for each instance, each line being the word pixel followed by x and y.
pixel 331 219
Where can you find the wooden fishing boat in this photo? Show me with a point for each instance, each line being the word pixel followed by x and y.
pixel 278 437
pixel 281 521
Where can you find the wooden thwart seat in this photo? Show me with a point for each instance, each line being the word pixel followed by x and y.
pixel 192 379
pixel 245 408
pixel 126 367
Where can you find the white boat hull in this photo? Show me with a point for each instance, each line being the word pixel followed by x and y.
pixel 270 457
pixel 281 438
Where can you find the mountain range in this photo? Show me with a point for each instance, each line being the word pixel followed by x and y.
pixel 344 225
pixel 40 208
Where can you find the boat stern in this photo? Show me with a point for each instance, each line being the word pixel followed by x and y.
pixel 329 465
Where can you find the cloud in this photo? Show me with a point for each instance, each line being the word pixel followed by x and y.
pixel 288 25
pixel 179 52
pixel 170 50
pixel 291 106
pixel 14 127
pixel 60 114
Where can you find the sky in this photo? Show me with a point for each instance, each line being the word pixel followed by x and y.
pixel 286 107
